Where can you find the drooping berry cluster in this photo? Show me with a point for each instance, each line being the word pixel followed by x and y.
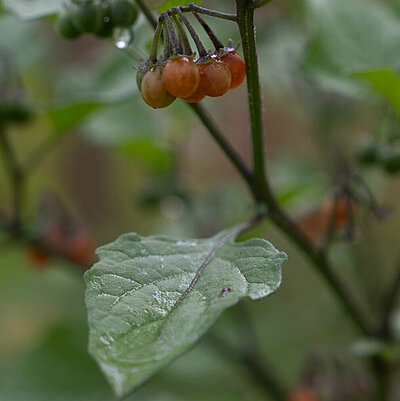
pixel 98 17
pixel 178 73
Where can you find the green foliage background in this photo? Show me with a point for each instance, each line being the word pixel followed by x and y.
pixel 330 72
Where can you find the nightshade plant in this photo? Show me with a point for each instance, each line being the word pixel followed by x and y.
pixel 150 299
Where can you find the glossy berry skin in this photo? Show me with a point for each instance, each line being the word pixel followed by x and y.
pixel 181 77
pixel 218 77
pixel 86 16
pixel 153 91
pixel 105 25
pixel 236 66
pixel 123 12
pixel 66 26
pixel 201 89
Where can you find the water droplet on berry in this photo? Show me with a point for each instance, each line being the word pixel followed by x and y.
pixel 122 38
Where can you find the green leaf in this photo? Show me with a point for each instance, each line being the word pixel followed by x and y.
pixel 143 309
pixel 151 152
pixel 386 82
pixel 31 9
pixel 66 116
pixel 174 3
pixel 348 36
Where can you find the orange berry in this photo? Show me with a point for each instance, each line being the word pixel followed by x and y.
pixel 218 77
pixel 153 89
pixel 236 66
pixel 181 77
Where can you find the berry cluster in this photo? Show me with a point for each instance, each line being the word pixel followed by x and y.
pixel 178 74
pixel 99 17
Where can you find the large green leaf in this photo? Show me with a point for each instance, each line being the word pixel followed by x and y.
pixel 141 312
pixel 174 3
pixel 30 9
pixel 386 82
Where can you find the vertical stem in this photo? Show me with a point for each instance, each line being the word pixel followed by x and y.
pixel 16 178
pixel 245 13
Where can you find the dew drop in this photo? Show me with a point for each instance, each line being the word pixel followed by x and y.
pixel 122 38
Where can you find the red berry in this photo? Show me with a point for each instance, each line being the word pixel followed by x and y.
pixel 236 66
pixel 218 78
pixel 153 89
pixel 181 77
pixel 201 89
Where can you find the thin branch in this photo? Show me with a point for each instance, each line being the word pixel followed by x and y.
pixel 16 178
pixel 389 303
pixel 261 371
pixel 147 12
pixel 201 10
pixel 260 186
pixel 226 147
pixel 216 42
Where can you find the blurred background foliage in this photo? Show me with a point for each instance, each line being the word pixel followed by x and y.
pixel 330 73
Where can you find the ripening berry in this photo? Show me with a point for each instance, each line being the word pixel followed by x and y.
pixel 38 259
pixel 304 394
pixel 236 66
pixel 153 91
pixel 181 77
pixel 86 16
pixel 218 77
pixel 66 26
pixel 201 89
pixel 123 12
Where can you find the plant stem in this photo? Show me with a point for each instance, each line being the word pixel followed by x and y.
pixel 259 369
pixel 245 13
pixel 201 10
pixel 260 186
pixel 16 177
pixel 147 12
pixel 229 151
pixel 216 42
pixel 389 303
pixel 202 51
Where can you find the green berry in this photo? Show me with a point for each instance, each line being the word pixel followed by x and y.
pixel 105 26
pixel 139 78
pixel 368 153
pixel 391 162
pixel 66 27
pixel 86 15
pixel 124 13
pixel 14 111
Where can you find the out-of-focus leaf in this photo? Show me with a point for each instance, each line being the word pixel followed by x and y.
pixel 139 321
pixel 31 9
pixel 348 36
pixel 385 82
pixel 64 118
pixel 158 157
pixel 173 3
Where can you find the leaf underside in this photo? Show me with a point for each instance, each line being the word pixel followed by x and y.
pixel 138 320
